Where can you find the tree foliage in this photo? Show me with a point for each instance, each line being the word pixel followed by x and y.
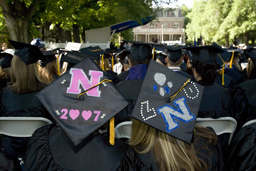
pixel 56 14
pixel 222 21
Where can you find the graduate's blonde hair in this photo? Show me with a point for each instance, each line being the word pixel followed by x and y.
pixel 24 78
pixel 171 154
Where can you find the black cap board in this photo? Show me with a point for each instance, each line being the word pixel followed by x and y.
pixel 6 58
pixel 174 52
pixel 206 54
pixel 27 53
pixel 140 50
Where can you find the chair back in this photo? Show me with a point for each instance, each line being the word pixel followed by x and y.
pixel 124 129
pixel 21 126
pixel 220 125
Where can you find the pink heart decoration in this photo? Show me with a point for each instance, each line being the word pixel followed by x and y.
pixel 86 114
pixel 74 113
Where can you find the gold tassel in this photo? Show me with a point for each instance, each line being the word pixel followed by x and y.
pixel 112 131
pixel 153 57
pixel 172 97
pixel 231 61
pixel 112 65
pixel 102 62
pixel 222 71
pixel 58 66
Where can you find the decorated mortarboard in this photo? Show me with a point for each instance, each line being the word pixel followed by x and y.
pixel 82 100
pixel 174 52
pixel 6 58
pixel 93 51
pixel 27 53
pixel 168 102
pixel 140 50
pixel 206 54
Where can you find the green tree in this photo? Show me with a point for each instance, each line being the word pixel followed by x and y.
pixel 24 17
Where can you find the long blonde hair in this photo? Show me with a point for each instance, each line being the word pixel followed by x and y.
pixel 171 154
pixel 24 78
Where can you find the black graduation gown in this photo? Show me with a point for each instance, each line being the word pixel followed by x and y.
pixel 120 77
pixel 237 75
pixel 216 102
pixel 241 153
pixel 130 89
pixel 229 81
pixel 12 104
pixel 245 100
pixel 212 158
pixel 49 149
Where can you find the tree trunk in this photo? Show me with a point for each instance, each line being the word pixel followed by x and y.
pixel 246 38
pixel 18 18
pixel 76 33
pixel 65 36
pixel 83 35
pixel 227 40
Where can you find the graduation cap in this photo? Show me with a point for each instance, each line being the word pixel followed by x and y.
pixel 252 54
pixel 38 42
pixel 161 57
pixel 206 54
pixel 168 102
pixel 140 51
pixel 72 57
pixel 93 52
pixel 222 56
pixel 27 53
pixel 48 57
pixel 82 100
pixel 174 52
pixel 6 58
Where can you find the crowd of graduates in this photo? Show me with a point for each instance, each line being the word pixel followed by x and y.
pixel 161 89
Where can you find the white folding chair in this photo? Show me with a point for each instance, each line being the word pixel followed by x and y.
pixel 249 122
pixel 21 126
pixel 220 125
pixel 124 129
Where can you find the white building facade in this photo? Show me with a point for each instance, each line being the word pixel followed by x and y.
pixel 167 28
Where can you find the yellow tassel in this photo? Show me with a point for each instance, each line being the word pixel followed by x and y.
pixel 37 65
pixel 102 62
pixel 231 61
pixel 172 97
pixel 112 131
pixel 112 65
pixel 222 71
pixel 58 66
pixel 153 57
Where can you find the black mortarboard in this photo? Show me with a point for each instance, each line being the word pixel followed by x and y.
pixel 72 57
pixel 161 57
pixel 174 52
pixel 82 100
pixel 27 53
pixel 6 58
pixel 206 54
pixel 223 56
pixel 48 57
pixel 93 52
pixel 140 51
pixel 252 54
pixel 168 102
